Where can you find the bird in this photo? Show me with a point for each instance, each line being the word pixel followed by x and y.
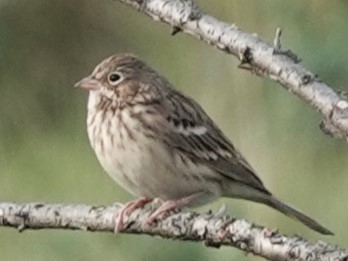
pixel 158 143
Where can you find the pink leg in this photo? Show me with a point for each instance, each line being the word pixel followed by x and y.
pixel 128 209
pixel 172 205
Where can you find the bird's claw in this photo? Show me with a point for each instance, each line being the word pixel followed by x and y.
pixel 127 210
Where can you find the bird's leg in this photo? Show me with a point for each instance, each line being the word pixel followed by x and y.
pixel 172 205
pixel 128 209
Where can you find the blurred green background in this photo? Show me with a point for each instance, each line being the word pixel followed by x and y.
pixel 47 45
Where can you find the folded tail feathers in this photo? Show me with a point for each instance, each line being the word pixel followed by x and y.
pixel 291 212
pixel 245 191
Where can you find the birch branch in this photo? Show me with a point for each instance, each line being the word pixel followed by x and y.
pixel 255 55
pixel 214 230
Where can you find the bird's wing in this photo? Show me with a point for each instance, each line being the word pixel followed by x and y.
pixel 191 132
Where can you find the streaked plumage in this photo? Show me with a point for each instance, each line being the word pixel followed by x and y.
pixel 158 143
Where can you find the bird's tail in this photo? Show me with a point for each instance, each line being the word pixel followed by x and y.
pixel 293 213
pixel 238 190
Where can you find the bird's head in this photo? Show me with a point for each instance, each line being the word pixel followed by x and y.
pixel 122 78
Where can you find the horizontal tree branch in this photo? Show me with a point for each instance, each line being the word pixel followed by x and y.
pixel 213 229
pixel 255 55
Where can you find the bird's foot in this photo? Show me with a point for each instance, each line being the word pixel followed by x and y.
pixel 127 210
pixel 167 207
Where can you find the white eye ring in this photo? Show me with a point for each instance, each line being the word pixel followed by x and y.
pixel 114 78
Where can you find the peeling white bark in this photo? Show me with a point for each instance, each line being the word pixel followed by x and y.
pixel 214 230
pixel 261 57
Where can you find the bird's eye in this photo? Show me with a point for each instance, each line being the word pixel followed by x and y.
pixel 114 78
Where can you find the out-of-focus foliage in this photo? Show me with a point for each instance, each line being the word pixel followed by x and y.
pixel 47 45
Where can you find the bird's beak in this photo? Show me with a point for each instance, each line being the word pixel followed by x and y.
pixel 88 84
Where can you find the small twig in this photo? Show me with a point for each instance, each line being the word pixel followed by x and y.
pixel 276 41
